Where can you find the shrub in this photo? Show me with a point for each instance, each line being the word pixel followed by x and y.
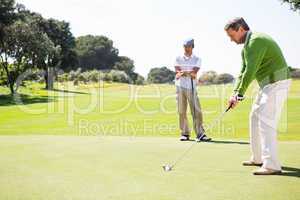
pixel 140 80
pixel 94 76
pixel 107 77
pixel 76 82
pixel 295 73
pixel 223 79
pixel 208 77
pixel 161 75
pixel 3 78
pixel 63 77
pixel 119 76
pixel 83 77
pixel 74 74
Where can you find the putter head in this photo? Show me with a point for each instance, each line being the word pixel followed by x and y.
pixel 167 167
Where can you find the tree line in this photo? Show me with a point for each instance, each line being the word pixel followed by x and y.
pixel 165 75
pixel 28 41
pixel 294 4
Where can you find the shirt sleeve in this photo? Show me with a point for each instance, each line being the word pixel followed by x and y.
pixel 199 63
pixel 253 57
pixel 238 81
pixel 177 64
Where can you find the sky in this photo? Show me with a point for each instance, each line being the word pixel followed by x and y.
pixel 151 32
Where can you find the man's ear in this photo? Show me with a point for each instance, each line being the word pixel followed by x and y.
pixel 241 29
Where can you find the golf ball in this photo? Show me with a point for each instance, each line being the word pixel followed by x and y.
pixel 167 168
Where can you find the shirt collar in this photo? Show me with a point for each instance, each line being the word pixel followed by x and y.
pixel 248 34
pixel 187 57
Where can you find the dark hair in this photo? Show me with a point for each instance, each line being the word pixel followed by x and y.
pixel 236 23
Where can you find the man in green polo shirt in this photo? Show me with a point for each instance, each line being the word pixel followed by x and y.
pixel 262 59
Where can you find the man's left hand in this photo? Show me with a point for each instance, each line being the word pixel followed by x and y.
pixel 234 100
pixel 193 74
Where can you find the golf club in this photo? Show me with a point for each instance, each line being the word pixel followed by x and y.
pixel 193 114
pixel 169 167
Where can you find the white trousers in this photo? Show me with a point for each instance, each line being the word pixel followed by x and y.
pixel 264 118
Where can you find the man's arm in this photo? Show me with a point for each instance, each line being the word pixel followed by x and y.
pixel 178 72
pixel 196 69
pixel 177 69
pixel 238 80
pixel 253 57
pixel 194 72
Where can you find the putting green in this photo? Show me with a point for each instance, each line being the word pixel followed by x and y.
pixel 129 168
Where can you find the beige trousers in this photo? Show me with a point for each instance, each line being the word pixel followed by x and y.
pixel 184 97
pixel 264 118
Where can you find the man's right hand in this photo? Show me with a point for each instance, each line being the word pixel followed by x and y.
pixel 179 74
pixel 234 100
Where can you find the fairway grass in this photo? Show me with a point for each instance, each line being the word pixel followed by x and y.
pixel 130 168
pixel 110 141
pixel 130 110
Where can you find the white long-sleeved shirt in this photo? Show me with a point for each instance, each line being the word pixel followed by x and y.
pixel 187 64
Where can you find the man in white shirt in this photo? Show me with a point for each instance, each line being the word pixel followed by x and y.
pixel 186 68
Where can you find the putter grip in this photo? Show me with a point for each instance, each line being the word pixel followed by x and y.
pixel 229 107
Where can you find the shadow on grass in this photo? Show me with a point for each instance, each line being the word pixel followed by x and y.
pixel 24 99
pixel 290 171
pixel 223 142
pixel 68 91
pixel 228 142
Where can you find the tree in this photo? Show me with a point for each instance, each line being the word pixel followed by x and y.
pixel 119 76
pixel 24 46
pixel 7 15
pixel 161 75
pixel 96 52
pixel 127 65
pixel 140 80
pixel 60 34
pixel 208 77
pixel 124 64
pixel 223 79
pixel 3 80
pixel 64 56
pixel 294 4
pixel 295 73
pixel 211 77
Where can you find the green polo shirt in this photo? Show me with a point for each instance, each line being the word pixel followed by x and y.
pixel 262 59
